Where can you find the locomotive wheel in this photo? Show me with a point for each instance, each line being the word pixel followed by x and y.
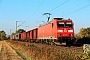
pixel 60 40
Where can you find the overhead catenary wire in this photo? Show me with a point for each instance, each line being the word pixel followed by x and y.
pixel 76 10
pixel 39 17
pixel 59 5
pixel 40 5
pixel 56 7
pixel 38 8
pixel 21 23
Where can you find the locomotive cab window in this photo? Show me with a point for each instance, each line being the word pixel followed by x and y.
pixel 52 25
pixel 68 24
pixel 60 24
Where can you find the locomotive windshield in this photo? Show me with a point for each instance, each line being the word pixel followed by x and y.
pixel 60 24
pixel 68 24
pixel 64 24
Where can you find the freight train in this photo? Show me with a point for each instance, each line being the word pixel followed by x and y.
pixel 58 30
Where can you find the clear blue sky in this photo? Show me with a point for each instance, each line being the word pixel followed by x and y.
pixel 31 11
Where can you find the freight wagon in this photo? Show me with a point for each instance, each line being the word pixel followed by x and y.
pixel 35 34
pixel 24 36
pixel 12 37
pixel 32 35
pixel 18 36
pixel 28 35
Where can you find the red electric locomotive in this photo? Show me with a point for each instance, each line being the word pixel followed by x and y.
pixel 58 30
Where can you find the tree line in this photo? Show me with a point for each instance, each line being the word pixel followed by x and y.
pixel 19 31
pixel 83 33
pixel 2 35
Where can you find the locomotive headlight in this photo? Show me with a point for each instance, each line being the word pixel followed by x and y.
pixel 71 35
pixel 70 30
pixel 60 30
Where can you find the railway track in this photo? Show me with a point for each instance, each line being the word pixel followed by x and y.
pixel 56 45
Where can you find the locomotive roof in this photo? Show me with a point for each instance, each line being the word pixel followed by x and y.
pixel 60 19
pixel 57 19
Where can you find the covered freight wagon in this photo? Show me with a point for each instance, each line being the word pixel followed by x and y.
pixel 35 34
pixel 18 36
pixel 31 35
pixel 12 37
pixel 24 36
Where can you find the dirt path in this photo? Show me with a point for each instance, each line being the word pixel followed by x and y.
pixel 7 53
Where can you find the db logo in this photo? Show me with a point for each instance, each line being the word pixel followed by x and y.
pixel 65 30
